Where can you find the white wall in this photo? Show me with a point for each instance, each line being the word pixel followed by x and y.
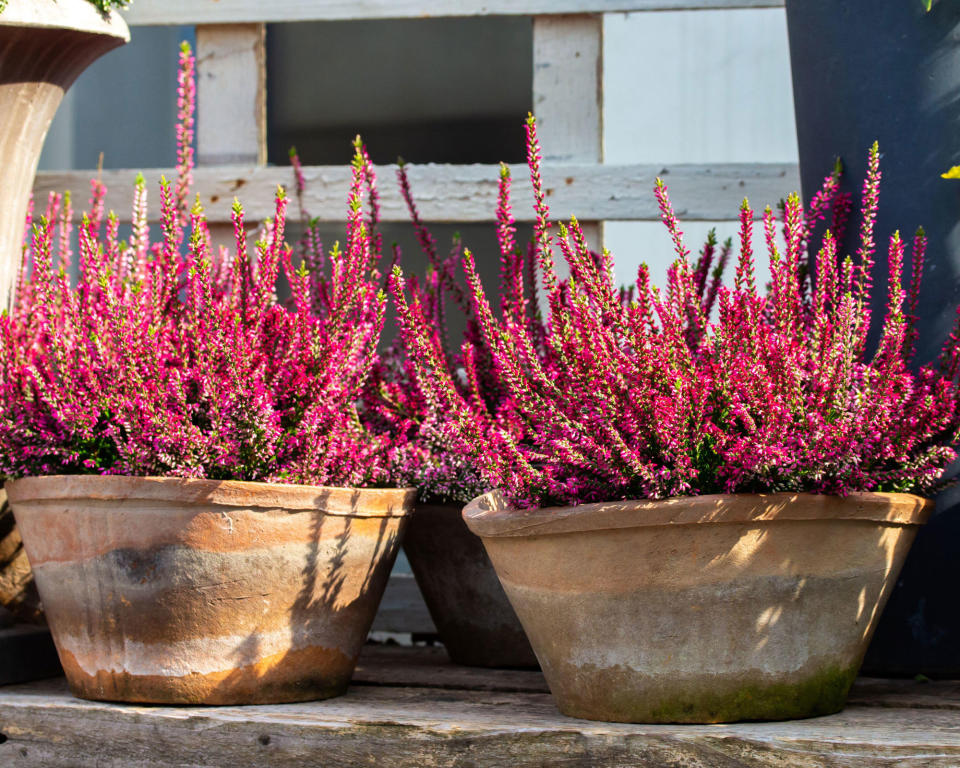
pixel 693 87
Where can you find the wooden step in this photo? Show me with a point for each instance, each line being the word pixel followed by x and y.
pixel 411 708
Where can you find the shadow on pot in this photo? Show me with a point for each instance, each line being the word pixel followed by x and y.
pixel 701 609
pixel 206 592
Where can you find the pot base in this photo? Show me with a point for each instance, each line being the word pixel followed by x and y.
pixel 618 695
pixel 310 674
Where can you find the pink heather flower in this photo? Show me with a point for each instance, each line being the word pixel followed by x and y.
pixel 186 109
pixel 427 452
pixel 642 393
pixel 169 358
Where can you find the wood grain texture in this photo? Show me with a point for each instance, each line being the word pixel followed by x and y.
pixel 467 193
pixel 18 592
pixel 568 87
pixel 231 92
pixel 156 12
pixel 568 96
pixel 407 715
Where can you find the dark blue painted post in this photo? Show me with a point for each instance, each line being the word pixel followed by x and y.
pixel 887 70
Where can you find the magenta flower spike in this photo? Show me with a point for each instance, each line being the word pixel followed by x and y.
pixel 171 358
pixel 699 388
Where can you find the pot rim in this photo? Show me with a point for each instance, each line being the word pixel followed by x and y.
pixel 490 516
pixel 333 500
pixel 77 15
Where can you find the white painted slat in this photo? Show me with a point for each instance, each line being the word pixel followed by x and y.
pixel 231 94
pixel 156 12
pixel 568 94
pixel 467 193
pixel 568 88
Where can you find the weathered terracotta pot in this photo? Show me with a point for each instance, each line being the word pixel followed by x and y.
pixel 206 592
pixel 476 623
pixel 44 46
pixel 708 609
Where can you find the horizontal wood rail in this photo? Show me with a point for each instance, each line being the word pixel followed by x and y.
pixel 466 193
pixel 161 12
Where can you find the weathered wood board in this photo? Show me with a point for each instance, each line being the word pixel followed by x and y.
pixel 568 96
pixel 466 193
pixel 156 12
pixel 231 86
pixel 381 722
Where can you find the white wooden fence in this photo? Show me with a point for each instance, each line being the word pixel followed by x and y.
pixel 567 99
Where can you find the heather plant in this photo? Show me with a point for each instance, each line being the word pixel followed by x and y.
pixel 426 454
pixel 422 454
pixel 643 394
pixel 170 357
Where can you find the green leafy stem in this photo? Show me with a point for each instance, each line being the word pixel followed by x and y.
pixel 104 6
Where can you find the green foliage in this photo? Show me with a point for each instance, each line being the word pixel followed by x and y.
pixel 104 6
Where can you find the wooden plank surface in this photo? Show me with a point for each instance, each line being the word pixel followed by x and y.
pixel 467 193
pixel 568 97
pixel 156 12
pixel 429 667
pixel 423 725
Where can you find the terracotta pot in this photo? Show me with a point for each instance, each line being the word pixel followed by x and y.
pixel 700 610
pixel 476 623
pixel 44 46
pixel 206 592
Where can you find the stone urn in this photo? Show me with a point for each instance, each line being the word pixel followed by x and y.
pixel 44 46
pixel 703 609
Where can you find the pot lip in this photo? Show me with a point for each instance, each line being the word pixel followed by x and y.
pixel 490 516
pixel 77 15
pixel 349 502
